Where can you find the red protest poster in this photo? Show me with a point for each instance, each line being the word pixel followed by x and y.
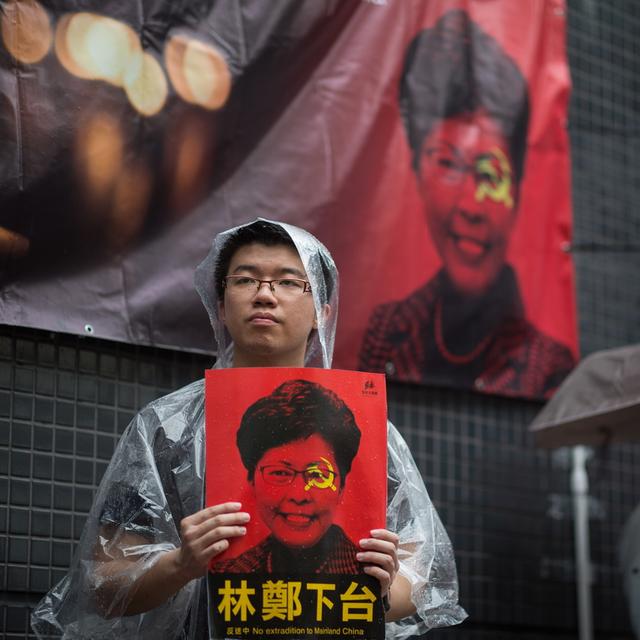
pixel 304 451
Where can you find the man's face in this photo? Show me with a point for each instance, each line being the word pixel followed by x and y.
pixel 268 329
pixel 298 507
pixel 467 185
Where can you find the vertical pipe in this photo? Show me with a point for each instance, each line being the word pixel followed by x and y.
pixel 580 491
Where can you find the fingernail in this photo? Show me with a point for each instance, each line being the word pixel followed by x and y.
pixel 243 530
pixel 359 556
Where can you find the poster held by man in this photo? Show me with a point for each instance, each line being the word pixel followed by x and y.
pixel 302 450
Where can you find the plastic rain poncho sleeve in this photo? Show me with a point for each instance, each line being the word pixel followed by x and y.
pixel 425 552
pixel 156 478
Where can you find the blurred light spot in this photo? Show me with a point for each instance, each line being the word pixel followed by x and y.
pixel 130 201
pixel 62 47
pixel 112 47
pixel 198 72
pixel 188 161
pixel 173 55
pixel 146 85
pixel 207 75
pixel 26 31
pixel 96 47
pixel 74 39
pixel 13 244
pixel 99 151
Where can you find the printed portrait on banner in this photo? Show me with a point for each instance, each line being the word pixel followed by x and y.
pixel 465 109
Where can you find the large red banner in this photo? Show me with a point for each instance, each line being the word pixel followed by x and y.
pixel 423 142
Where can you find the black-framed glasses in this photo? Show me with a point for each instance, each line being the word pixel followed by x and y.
pixel 492 171
pixel 321 475
pixel 492 166
pixel 279 287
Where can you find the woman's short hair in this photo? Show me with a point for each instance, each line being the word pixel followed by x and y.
pixel 296 410
pixel 455 68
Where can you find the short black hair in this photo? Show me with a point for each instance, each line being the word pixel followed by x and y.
pixel 296 410
pixel 455 68
pixel 269 235
pixel 261 232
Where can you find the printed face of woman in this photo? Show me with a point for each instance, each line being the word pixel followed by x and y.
pixel 468 188
pixel 298 488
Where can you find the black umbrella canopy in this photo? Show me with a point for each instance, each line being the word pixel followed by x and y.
pixel 598 403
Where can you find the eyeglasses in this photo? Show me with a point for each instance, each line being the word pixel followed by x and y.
pixel 492 172
pixel 282 287
pixel 320 476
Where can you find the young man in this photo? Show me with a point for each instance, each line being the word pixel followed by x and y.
pixel 271 291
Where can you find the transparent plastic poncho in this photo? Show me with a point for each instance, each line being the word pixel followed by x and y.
pixel 156 478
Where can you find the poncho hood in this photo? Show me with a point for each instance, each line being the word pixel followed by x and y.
pixel 321 272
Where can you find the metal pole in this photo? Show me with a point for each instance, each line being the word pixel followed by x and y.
pixel 580 491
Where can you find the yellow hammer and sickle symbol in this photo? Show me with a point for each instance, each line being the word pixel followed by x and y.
pixel 501 192
pixel 320 481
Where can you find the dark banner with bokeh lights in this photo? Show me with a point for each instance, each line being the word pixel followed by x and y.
pixel 423 142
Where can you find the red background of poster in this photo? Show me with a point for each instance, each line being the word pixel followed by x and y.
pixel 228 394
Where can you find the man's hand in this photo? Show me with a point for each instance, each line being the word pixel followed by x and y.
pixel 206 534
pixel 120 591
pixel 380 556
